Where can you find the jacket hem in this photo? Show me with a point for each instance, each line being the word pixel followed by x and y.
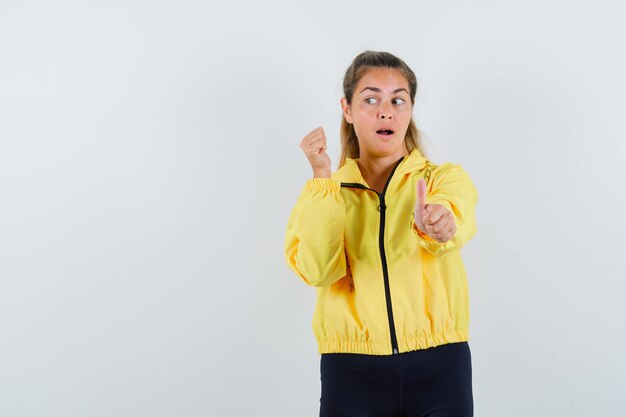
pixel 424 341
pixel 429 340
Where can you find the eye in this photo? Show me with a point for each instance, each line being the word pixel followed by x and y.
pixel 370 98
pixel 401 100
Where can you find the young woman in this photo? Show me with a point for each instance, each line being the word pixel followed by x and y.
pixel 380 239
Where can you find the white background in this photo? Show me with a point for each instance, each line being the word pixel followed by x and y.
pixel 149 159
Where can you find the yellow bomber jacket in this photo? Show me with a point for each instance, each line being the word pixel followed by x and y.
pixel 383 286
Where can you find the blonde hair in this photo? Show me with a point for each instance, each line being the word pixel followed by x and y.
pixel 362 63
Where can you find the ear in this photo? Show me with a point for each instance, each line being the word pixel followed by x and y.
pixel 346 109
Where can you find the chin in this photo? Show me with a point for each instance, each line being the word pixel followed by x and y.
pixel 382 149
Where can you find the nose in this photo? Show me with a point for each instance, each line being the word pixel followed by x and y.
pixel 384 111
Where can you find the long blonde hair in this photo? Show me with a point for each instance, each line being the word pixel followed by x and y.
pixel 362 63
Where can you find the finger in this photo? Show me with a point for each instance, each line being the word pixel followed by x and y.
pixel 313 139
pixel 317 144
pixel 322 134
pixel 433 213
pixel 314 135
pixel 323 139
pixel 444 232
pixel 440 225
pixel 450 229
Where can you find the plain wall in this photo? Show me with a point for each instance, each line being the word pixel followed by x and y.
pixel 149 159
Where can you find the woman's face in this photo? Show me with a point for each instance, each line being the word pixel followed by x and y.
pixel 381 100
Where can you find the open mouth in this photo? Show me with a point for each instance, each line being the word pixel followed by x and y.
pixel 385 133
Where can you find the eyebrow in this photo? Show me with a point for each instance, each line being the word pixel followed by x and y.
pixel 378 90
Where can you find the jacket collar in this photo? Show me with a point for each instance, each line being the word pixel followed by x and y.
pixel 349 172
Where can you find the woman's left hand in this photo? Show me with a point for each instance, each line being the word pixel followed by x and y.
pixel 433 219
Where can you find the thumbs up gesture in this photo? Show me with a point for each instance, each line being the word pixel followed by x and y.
pixel 433 219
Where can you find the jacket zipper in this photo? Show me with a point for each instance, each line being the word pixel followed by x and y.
pixel 382 209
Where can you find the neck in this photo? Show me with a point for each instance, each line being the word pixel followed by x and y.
pixel 374 166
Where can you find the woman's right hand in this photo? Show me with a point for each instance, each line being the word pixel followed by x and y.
pixel 314 147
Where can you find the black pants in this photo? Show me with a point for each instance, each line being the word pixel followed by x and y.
pixel 433 382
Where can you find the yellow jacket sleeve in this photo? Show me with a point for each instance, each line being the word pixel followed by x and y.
pixel 452 188
pixel 314 241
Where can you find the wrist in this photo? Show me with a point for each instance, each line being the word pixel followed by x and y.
pixel 321 173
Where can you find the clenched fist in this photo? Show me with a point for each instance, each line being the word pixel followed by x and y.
pixel 314 147
pixel 433 219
